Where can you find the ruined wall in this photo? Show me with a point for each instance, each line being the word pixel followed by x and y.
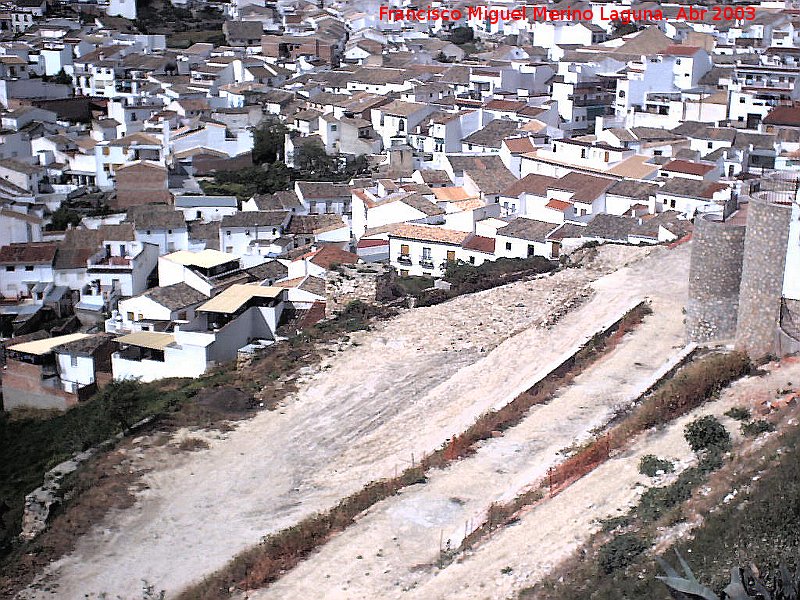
pixel 348 283
pixel 762 276
pixel 714 277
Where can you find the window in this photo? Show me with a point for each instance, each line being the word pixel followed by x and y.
pixel 106 151
pixel 472 260
pixel 622 93
pixel 710 145
pixel 451 256
pixel 583 152
pixel 333 127
pixel 199 214
pixel 148 232
pixel 73 359
pixel 401 126
pixel 247 232
pixel 677 61
pixel 29 267
pixel 130 316
pixel 274 231
pixel 741 100
pixel 10 269
pixel 531 250
pixel 508 245
pixel 228 232
pixel 169 230
pixel 404 249
pixel 426 254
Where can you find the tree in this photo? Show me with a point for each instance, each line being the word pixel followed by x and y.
pixel 268 140
pixel 63 218
pixel 462 35
pixel 62 77
pixel 121 402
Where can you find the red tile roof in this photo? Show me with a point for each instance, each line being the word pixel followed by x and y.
pixel 519 145
pixel 479 243
pixel 784 115
pixel 42 253
pixel 558 204
pixel 679 50
pixel 688 167
pixel 330 255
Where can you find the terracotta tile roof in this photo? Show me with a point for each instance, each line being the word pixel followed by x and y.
pixel 451 194
pixel 429 234
pixel 784 115
pixel 519 145
pixel 558 204
pixel 688 167
pixel 533 183
pixel 479 243
pixel 679 50
pixel 42 253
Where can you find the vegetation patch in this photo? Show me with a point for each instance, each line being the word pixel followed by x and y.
pixel 754 428
pixel 653 466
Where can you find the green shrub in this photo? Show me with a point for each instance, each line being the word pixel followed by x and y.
pixel 738 413
pixel 620 552
pixel 754 428
pixel 707 434
pixel 650 465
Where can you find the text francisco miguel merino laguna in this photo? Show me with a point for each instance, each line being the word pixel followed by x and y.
pixel 542 13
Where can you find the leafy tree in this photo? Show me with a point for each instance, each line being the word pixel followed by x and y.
pixel 63 218
pixel 121 402
pixel 268 141
pixel 62 77
pixel 462 35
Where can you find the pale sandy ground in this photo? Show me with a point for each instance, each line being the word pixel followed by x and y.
pixel 383 554
pixel 406 387
pixel 555 529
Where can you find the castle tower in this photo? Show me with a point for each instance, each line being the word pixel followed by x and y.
pixel 714 277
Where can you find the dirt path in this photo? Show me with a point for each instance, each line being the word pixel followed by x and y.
pixel 406 387
pixel 383 556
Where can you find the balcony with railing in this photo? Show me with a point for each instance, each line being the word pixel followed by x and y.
pixel 404 260
pixel 426 263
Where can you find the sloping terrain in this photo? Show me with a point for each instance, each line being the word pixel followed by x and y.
pixel 392 393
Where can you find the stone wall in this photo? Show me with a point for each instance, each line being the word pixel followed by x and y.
pixel 762 276
pixel 357 282
pixel 714 277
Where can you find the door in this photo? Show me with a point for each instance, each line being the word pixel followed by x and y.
pixel 451 256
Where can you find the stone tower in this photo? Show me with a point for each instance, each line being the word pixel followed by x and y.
pixel 714 277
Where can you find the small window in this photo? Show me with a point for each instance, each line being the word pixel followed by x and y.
pixel 130 316
pixel 710 145
pixel 333 127
pixel 10 269
pixel 583 152
pixel 472 260
pixel 169 230
pixel 622 93
pixel 148 232
pixel 73 359
pixel 401 126
pixel 106 151
pixel 199 214
pixel 741 100
pixel 29 267
pixel 508 245
pixel 228 232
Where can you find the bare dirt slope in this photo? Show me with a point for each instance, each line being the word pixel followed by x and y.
pixel 393 548
pixel 556 528
pixel 404 388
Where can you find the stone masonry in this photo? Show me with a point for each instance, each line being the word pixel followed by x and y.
pixel 714 276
